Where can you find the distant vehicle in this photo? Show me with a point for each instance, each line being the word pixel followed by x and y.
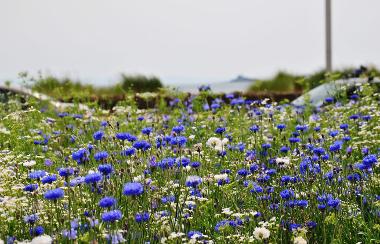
pixel 318 95
pixel 23 91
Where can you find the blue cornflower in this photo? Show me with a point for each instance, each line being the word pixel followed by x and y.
pixel 79 155
pixel 38 174
pixel 253 168
pixel 65 172
pixel 128 151
pixel 141 145
pixel 36 231
pixel 194 234
pixel 98 135
pixel 31 187
pixel 147 130
pixel 284 149
pixel 142 217
pixel 77 181
pixel 107 202
pixel 344 126
pixel 333 133
pixel 220 130
pixel 93 178
pixel 254 128
pixel 178 129
pixel 54 194
pixel 329 99
pixel 336 146
pixel 112 216
pixel 281 126
pixel 31 219
pixel 294 139
pixel 193 181
pixel 105 169
pixel 99 156
pixel 242 172
pixel 195 165
pixel 286 194
pixel 301 127
pixel 49 179
pixel 266 146
pixel 133 189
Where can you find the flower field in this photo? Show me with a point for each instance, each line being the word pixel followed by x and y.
pixel 195 171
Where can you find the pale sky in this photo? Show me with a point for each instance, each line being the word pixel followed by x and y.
pixel 182 40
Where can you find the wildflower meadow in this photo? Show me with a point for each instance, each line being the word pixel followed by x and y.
pixel 194 170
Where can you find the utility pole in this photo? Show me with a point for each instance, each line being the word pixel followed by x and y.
pixel 328 36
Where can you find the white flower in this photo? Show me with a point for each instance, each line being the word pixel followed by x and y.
pixel 191 137
pixel 44 239
pixel 29 163
pixel 299 240
pixel 261 233
pixel 213 142
pixel 220 177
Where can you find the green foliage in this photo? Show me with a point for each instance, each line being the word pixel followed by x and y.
pixel 140 83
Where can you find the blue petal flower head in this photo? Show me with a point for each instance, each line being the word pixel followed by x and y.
pixel 105 169
pixel 366 117
pixel 220 130
pixel 49 179
pixel 178 129
pixel 284 149
pixel 128 151
pixel 281 126
pixel 98 135
pixel 333 133
pixel 354 117
pixel 93 178
pixel 133 189
pixel 65 172
pixel 195 165
pixel 193 181
pixel 178 141
pixel 254 128
pixel 343 126
pixel 294 140
pixel 141 145
pixel 103 123
pixel 31 187
pixel 36 231
pixel 336 146
pixel 112 216
pixel 266 146
pixel 142 217
pixel 107 202
pixel 242 172
pixel 286 194
pixel 301 127
pixel 329 99
pixel 54 194
pixel 99 156
pixel 38 174
pixel 77 181
pixel 79 155
pixel 369 160
pixel 147 130
pixel 31 219
pixel 253 168
pixel 194 234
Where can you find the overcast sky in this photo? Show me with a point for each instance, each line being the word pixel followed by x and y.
pixel 182 40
